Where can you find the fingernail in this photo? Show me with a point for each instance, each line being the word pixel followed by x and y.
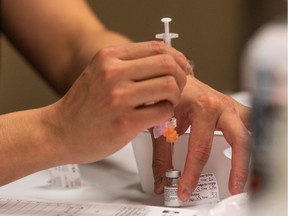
pixel 186 193
pixel 189 67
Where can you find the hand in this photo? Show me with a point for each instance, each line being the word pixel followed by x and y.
pixel 105 108
pixel 205 110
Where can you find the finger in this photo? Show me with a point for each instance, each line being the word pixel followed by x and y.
pixel 245 115
pixel 159 89
pixel 145 49
pixel 151 115
pixel 155 66
pixel 238 138
pixel 162 161
pixel 200 140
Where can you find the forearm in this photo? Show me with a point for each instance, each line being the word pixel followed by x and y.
pixel 57 37
pixel 27 144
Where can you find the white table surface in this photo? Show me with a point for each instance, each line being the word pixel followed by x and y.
pixel 113 180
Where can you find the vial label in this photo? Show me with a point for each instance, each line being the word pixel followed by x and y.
pixel 207 191
pixel 66 176
pixel 171 196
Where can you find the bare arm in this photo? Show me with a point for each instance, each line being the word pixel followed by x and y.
pixel 27 144
pixel 58 38
pixel 101 112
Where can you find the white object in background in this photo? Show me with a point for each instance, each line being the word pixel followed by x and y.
pixel 267 49
pixel 218 163
pixel 265 74
pixel 236 205
pixel 66 176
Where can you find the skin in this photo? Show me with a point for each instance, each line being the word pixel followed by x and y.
pixel 205 110
pixel 108 87
pixel 106 81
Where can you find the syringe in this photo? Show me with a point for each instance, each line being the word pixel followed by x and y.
pixel 166 36
pixel 167 129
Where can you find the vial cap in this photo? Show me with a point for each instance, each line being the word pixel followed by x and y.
pixel 173 173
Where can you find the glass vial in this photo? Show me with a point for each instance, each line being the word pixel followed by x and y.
pixel 171 188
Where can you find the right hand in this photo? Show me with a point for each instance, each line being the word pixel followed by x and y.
pixel 105 108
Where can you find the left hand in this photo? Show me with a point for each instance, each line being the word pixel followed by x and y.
pixel 205 110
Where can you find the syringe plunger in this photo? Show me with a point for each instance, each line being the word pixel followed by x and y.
pixel 166 36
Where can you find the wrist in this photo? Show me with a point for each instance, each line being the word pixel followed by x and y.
pixel 27 144
pixel 52 135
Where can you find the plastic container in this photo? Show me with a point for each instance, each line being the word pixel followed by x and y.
pixel 219 161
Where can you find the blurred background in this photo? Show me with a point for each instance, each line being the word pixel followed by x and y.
pixel 212 33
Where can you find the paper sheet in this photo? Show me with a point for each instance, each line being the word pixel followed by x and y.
pixel 207 191
pixel 22 207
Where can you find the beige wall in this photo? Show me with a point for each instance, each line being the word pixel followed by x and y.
pixel 20 86
pixel 212 34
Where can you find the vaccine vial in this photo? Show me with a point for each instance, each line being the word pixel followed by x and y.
pixel 171 188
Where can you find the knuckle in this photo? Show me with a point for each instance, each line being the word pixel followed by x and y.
pixel 121 122
pixel 157 47
pixel 170 84
pixel 105 52
pixel 158 165
pixel 208 104
pixel 109 70
pixel 201 153
pixel 168 63
pixel 228 101
pixel 244 140
pixel 118 98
